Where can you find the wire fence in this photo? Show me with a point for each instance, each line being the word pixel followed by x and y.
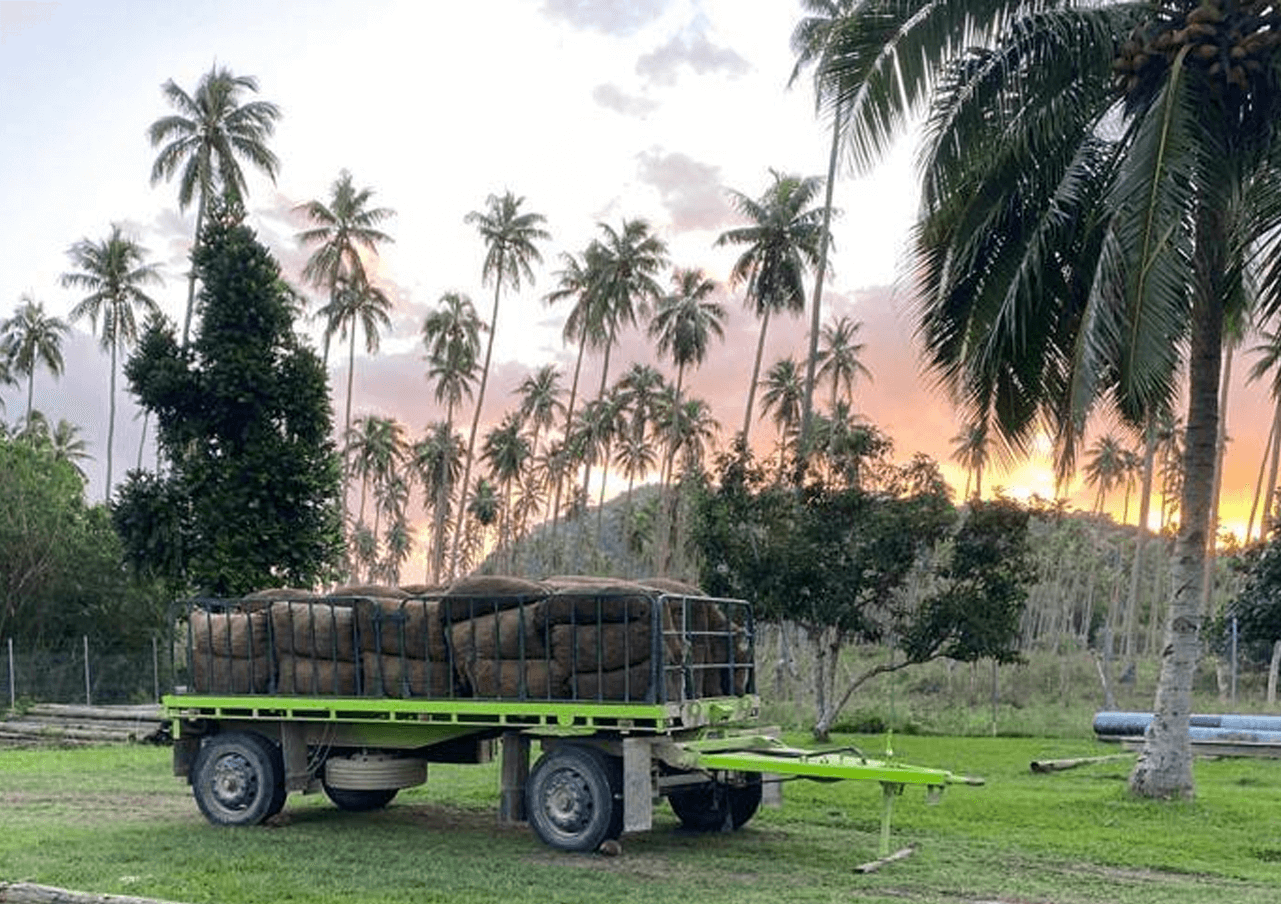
pixel 86 671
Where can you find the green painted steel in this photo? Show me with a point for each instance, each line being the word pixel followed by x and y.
pixel 830 765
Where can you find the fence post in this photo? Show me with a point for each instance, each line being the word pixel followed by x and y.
pixel 155 668
pixel 88 700
pixel 13 697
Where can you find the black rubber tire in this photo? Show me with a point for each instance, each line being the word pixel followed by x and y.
pixel 714 806
pixel 574 799
pixel 357 801
pixel 238 779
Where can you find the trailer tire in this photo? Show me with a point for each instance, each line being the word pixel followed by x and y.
pixel 716 806
pixel 573 798
pixel 238 779
pixel 359 801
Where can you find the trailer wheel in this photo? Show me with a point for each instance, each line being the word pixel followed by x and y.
pixel 238 779
pixel 573 797
pixel 359 801
pixel 716 806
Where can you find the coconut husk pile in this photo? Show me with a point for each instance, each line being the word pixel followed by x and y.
pixel 315 643
pixel 403 650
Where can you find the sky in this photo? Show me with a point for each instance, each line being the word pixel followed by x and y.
pixel 593 111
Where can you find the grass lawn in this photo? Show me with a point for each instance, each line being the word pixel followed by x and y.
pixel 114 820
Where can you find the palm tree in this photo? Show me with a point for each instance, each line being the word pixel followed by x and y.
pixel 841 358
pixel 782 242
pixel 113 272
pixel 451 334
pixel 540 401
pixel 511 239
pixel 205 139
pixel 355 303
pixel 437 461
pixel 815 41
pixel 69 446
pixel 30 338
pixel 1105 468
pixel 972 453
pixel 375 448
pixel 343 226
pixel 1099 181
pixel 1269 352
pixel 507 451
pixel 784 395
pixel 623 283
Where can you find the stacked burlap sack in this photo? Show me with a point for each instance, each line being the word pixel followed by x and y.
pixel 230 651
pixel 402 642
pixel 315 644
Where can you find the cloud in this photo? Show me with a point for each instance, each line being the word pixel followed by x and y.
pixel 691 48
pixel 614 98
pixel 690 190
pixel 608 16
pixel 18 16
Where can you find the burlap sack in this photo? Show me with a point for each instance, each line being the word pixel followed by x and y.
pixel 303 675
pixel 486 594
pixel 234 635
pixel 631 684
pixel 671 585
pixel 400 676
pixel 409 626
pixel 376 591
pixel 597 602
pixel 606 647
pixel 280 593
pixel 422 589
pixel 513 679
pixel 510 634
pixel 212 674
pixel 319 629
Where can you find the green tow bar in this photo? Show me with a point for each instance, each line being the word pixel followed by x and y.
pixel 757 753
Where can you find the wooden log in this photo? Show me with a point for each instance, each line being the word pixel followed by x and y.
pixel 29 893
pixel 1043 766
pixel 873 865
pixel 146 711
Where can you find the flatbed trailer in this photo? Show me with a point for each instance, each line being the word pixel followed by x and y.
pixel 296 712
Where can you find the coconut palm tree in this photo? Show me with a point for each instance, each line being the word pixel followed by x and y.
pixel 437 461
pixel 375 448
pixel 507 451
pixel 67 445
pixel 971 452
pixel 344 225
pixel 30 338
pixel 205 140
pixel 511 246
pixel 451 334
pixel 784 395
pixel 356 303
pixel 623 280
pixel 1099 179
pixel 815 42
pixel 1105 468
pixel 782 243
pixel 1269 362
pixel 841 357
pixel 112 271
pixel 540 402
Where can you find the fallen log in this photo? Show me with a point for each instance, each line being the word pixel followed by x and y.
pixel 1043 766
pixel 148 711
pixel 28 893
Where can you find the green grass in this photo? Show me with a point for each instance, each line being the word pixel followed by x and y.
pixel 114 820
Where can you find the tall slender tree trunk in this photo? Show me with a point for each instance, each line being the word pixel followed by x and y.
pixel 346 432
pixel 1164 766
pixel 471 439
pixel 191 276
pixel 1140 539
pixel 1268 519
pixel 142 441
pixel 111 420
pixel 569 420
pixel 816 315
pixel 756 373
pixel 1220 449
pixel 1263 467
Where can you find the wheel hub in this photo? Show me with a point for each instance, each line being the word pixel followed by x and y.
pixel 568 801
pixel 235 783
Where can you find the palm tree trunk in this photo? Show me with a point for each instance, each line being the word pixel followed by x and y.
pixel 1140 539
pixel 471 439
pixel 807 413
pixel 569 420
pixel 1164 766
pixel 346 432
pixel 191 276
pixel 756 372
pixel 1263 467
pixel 142 442
pixel 1268 519
pixel 1220 448
pixel 31 391
pixel 111 421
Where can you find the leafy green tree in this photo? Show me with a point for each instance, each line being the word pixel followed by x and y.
pixel 60 574
pixel 205 140
pixel 113 272
pixel 832 559
pixel 30 338
pixel 511 238
pixel 782 241
pixel 1106 172
pixel 245 421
